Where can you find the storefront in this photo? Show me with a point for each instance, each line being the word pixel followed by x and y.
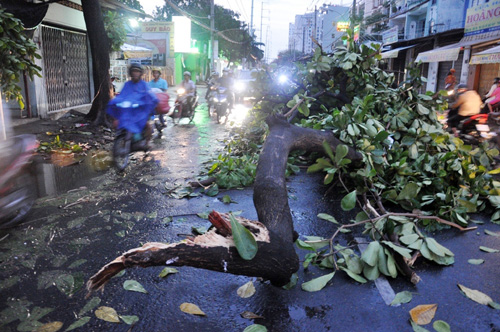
pixel 482 33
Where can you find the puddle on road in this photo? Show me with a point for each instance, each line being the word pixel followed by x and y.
pixel 66 172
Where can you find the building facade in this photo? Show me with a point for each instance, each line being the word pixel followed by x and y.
pixel 333 19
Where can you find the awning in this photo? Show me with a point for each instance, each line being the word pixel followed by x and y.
pixel 135 52
pixel 394 53
pixel 445 53
pixel 491 55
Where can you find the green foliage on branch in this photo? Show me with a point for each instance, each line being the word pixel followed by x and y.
pixel 115 29
pixel 17 54
pixel 409 161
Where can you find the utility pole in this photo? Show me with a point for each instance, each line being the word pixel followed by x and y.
pixel 251 22
pixel 212 27
pixel 315 34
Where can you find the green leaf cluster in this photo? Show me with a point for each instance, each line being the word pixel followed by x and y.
pixel 17 55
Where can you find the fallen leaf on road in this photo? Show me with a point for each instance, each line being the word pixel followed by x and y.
pixel 247 290
pixel 317 284
pixel 108 314
pixel 250 315
pixel 79 323
pixel 486 249
pixel 494 305
pixel 130 319
pixel 132 285
pixel 166 271
pixel 402 297
pixel 255 328
pixel 492 233
pixel 94 302
pixel 417 328
pixel 192 309
pixel 476 261
pixel 423 314
pixel 50 327
pixel 475 295
pixel 441 326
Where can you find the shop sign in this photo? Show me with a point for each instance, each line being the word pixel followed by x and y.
pixel 342 26
pixel 356 33
pixel 390 36
pixel 160 27
pixel 437 55
pixel 485 58
pixel 482 19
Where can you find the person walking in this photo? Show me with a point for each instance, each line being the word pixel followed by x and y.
pixel 450 80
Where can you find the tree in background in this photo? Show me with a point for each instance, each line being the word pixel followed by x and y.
pixel 287 57
pixel 235 42
pixel 17 55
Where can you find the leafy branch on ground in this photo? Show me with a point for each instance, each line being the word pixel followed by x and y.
pixel 409 161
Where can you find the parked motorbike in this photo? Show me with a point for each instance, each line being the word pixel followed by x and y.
pixel 17 179
pixel 184 107
pixel 221 103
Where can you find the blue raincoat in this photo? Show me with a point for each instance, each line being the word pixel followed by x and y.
pixel 133 107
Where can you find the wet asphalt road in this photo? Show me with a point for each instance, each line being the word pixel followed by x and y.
pixel 68 237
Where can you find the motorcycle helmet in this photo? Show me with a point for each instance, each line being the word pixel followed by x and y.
pixel 496 80
pixel 157 70
pixel 134 66
pixel 187 73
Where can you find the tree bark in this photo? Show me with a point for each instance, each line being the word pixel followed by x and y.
pixel 276 259
pixel 99 47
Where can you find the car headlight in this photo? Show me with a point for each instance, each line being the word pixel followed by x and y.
pixel 239 86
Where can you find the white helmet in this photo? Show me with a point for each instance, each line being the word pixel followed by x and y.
pixel 187 73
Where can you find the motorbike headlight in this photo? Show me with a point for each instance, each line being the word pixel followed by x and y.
pixel 239 86
pixel 216 99
pixel 451 92
pixel 181 91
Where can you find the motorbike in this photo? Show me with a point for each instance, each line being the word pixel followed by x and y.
pixel 132 133
pixel 18 190
pixel 221 103
pixel 184 107
pixel 479 128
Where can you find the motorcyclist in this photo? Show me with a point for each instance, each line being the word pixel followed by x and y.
pixel 190 88
pixel 211 82
pixel 134 106
pixel 468 103
pixel 493 96
pixel 227 82
pixel 159 83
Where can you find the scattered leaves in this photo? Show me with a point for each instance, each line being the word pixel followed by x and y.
pixel 423 314
pixel 441 326
pixel 247 290
pixel 192 309
pixel 250 315
pixel 255 328
pixel 130 319
pixel 166 271
pixel 317 284
pixel 476 261
pixel 486 249
pixel 79 323
pixel 402 297
pixel 243 240
pixel 50 327
pixel 108 314
pixel 132 285
pixel 475 295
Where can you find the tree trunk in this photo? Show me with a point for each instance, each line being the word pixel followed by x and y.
pixel 276 259
pixel 99 47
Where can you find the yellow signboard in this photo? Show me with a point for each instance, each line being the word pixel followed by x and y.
pixel 342 26
pixel 161 27
pixel 483 18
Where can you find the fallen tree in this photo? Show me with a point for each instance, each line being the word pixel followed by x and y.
pixel 274 232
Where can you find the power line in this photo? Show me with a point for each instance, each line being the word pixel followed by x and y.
pixel 186 14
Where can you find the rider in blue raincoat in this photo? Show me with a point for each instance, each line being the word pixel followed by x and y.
pixel 135 104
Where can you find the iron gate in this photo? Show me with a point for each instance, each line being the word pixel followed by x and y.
pixel 66 69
